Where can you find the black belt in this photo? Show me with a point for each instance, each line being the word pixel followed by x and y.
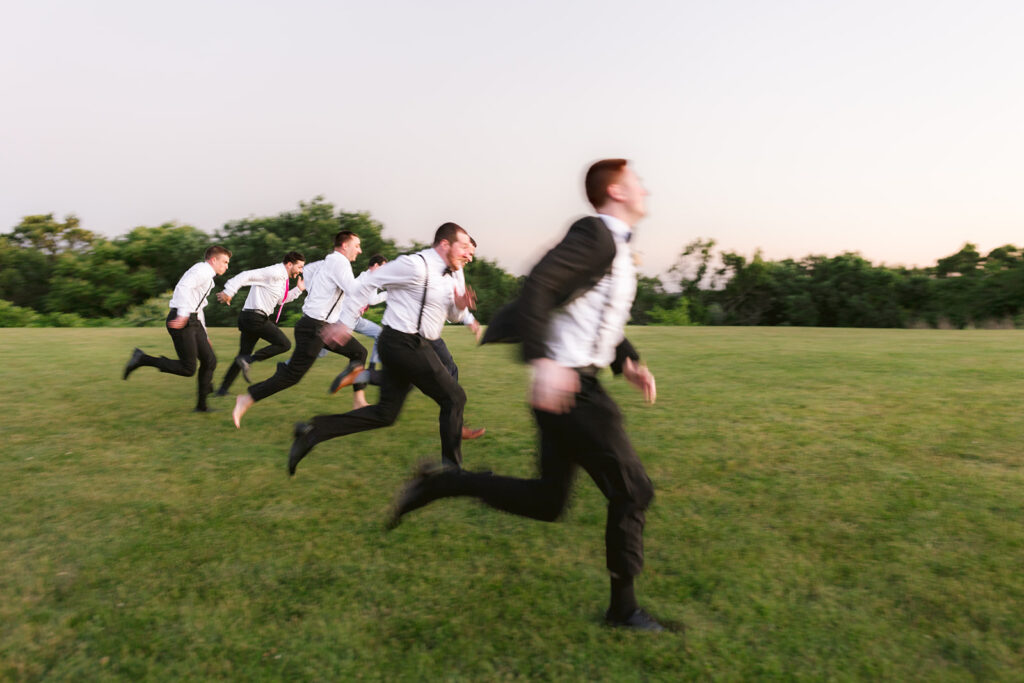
pixel 588 370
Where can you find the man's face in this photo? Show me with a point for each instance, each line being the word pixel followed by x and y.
pixel 294 268
pixel 631 194
pixel 219 263
pixel 460 252
pixel 351 249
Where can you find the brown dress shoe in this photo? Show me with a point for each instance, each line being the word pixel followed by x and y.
pixel 470 434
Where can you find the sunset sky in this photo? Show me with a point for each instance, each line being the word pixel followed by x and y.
pixel 895 129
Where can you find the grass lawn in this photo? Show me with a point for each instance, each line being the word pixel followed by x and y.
pixel 831 504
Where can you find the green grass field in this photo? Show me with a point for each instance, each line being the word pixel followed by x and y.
pixel 831 504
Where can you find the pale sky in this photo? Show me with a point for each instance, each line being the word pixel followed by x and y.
pixel 893 128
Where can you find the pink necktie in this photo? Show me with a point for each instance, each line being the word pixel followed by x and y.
pixel 286 281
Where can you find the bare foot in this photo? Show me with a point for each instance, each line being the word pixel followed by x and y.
pixel 242 403
pixel 359 400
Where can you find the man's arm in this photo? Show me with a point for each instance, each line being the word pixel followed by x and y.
pixel 403 271
pixel 576 263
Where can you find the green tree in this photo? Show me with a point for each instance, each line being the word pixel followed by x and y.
pixel 45 234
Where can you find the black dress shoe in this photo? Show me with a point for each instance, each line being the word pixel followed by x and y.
pixel 134 362
pixel 204 409
pixel 300 446
pixel 423 488
pixel 639 620
pixel 220 393
pixel 246 366
pixel 347 376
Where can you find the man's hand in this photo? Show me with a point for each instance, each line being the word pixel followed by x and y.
pixel 223 297
pixel 336 334
pixel 466 300
pixel 640 377
pixel 178 322
pixel 300 282
pixel 477 329
pixel 554 386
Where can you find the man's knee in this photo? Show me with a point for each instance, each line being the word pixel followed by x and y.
pixel 551 509
pixel 458 397
pixel 188 367
pixel 360 355
pixel 553 499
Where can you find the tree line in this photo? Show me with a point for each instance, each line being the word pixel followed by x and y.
pixel 965 289
pixel 55 273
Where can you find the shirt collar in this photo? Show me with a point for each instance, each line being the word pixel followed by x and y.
pixel 620 229
pixel 437 263
pixel 209 268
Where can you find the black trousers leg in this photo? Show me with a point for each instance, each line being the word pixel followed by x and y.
pixel 253 327
pixel 277 340
pixel 191 344
pixel 354 351
pixel 441 349
pixel 307 346
pixel 590 436
pixel 207 364
pixel 185 347
pixel 408 361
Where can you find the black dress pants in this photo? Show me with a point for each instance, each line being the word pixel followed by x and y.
pixel 307 347
pixel 409 361
pixel 441 349
pixel 590 436
pixel 254 326
pixel 191 343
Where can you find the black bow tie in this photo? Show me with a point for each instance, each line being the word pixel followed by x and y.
pixel 447 271
pixel 629 236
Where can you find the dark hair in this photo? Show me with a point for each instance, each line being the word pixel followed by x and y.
pixel 448 232
pixel 293 257
pixel 473 242
pixel 216 250
pixel 377 258
pixel 600 175
pixel 342 237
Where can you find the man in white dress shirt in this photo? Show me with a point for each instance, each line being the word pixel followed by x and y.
pixel 186 323
pixel 421 296
pixel 327 283
pixel 269 288
pixel 470 321
pixel 570 318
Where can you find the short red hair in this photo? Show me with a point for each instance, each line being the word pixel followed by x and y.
pixel 600 175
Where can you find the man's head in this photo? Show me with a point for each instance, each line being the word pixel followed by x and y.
pixel 347 244
pixel 293 263
pixel 453 244
pixel 218 257
pixel 376 261
pixel 613 189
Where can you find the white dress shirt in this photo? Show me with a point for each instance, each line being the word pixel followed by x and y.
pixel 266 288
pixel 192 290
pixel 587 330
pixel 404 280
pixel 327 282
pixel 460 288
